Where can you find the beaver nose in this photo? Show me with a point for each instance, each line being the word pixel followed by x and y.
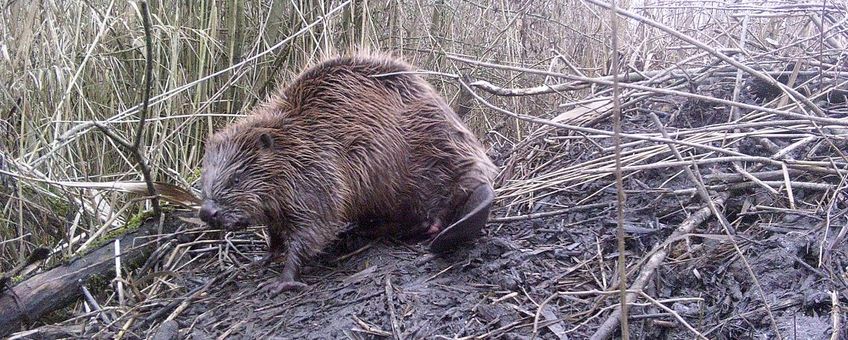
pixel 208 212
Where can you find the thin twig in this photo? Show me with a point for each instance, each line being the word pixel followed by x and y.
pixel 619 181
pixel 533 216
pixel 821 120
pixel 771 81
pixel 611 323
pixel 835 315
pixel 135 147
pixel 702 191
pixel 391 304
pixel 607 133
pixel 148 77
pixel 673 313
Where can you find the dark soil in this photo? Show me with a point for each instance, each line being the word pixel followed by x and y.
pixel 493 289
pixel 362 288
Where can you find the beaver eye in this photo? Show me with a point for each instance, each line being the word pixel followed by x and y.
pixel 237 177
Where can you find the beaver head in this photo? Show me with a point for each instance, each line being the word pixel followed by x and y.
pixel 237 177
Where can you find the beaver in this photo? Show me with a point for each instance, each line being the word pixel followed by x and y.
pixel 353 138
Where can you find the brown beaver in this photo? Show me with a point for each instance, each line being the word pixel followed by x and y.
pixel 352 138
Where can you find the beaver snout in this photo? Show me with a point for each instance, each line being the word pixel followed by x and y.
pixel 210 213
pixel 217 216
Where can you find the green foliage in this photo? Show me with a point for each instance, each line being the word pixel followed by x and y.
pixel 136 220
pixel 131 225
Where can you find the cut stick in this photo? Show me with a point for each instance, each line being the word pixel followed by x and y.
pixel 611 323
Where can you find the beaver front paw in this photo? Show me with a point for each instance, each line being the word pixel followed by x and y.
pixel 280 286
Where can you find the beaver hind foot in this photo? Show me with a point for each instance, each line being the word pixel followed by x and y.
pixel 279 286
pixel 473 216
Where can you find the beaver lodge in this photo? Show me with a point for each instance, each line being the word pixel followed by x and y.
pixel 717 210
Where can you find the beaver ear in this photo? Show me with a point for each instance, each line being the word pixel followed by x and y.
pixel 266 141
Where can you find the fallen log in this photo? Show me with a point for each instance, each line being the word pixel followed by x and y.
pixel 32 298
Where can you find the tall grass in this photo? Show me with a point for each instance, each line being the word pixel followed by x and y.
pixel 67 63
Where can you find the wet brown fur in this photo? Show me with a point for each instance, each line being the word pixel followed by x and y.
pixel 351 138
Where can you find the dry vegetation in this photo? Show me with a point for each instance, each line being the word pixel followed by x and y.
pixel 733 153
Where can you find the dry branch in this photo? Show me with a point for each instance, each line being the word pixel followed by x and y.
pixel 769 80
pixel 817 119
pixel 547 213
pixel 135 147
pixel 619 182
pixel 611 323
pixel 728 228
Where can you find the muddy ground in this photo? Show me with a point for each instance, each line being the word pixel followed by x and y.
pixel 367 289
